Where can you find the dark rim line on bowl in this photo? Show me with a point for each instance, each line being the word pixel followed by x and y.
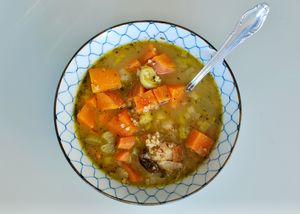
pixel 137 202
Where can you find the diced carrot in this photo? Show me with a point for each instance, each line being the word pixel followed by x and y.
pixel 133 175
pixel 133 66
pixel 136 90
pixel 148 53
pixel 177 154
pixel 87 116
pixel 125 118
pixel 162 94
pixel 104 117
pixel 109 100
pixel 104 79
pixel 199 143
pixel 128 131
pixel 126 142
pixel 145 102
pixel 114 126
pixel 176 93
pixel 122 155
pixel 162 64
pixel 116 97
pixel 92 101
pixel 121 124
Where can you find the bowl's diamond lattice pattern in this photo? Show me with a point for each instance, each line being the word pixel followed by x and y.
pixel 99 45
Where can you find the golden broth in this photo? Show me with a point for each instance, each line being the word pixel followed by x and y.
pixel 200 110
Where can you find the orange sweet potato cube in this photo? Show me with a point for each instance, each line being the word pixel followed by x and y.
pixel 133 66
pixel 145 102
pixel 163 64
pixel 126 142
pixel 177 93
pixel 136 90
pixel 199 143
pixel 109 100
pixel 87 116
pixel 104 117
pixel 104 79
pixel 162 94
pixel 122 155
pixel 121 124
pixel 92 101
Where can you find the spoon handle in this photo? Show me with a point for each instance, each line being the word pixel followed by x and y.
pixel 248 25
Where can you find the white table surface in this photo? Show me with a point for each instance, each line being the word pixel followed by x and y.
pixel 37 39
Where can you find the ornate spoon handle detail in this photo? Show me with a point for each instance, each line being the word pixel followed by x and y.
pixel 248 25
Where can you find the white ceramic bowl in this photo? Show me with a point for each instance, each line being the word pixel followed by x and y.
pixel 76 70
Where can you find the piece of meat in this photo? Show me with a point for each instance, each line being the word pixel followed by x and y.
pixel 162 153
pixel 169 165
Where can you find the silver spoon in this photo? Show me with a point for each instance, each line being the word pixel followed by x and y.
pixel 248 25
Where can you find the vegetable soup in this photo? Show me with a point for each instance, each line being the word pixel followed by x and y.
pixel 135 120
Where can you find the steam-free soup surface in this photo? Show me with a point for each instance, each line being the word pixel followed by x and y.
pixel 136 122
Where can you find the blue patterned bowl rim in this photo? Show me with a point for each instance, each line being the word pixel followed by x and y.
pixel 159 22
